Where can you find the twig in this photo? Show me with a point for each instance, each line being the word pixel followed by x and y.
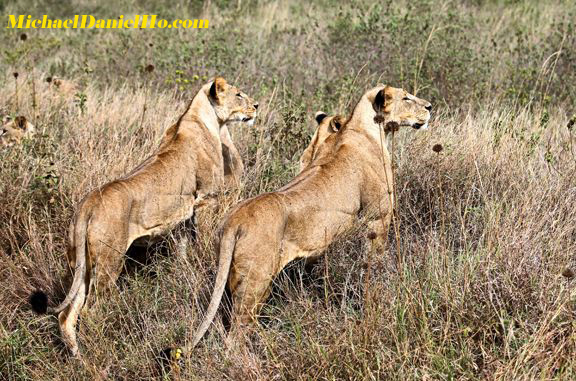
pixel 391 194
pixel 34 104
pixel 15 74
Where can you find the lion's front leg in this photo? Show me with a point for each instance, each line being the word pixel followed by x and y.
pixel 233 165
pixel 378 232
pixel 205 213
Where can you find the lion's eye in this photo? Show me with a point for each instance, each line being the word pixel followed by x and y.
pixel 406 99
pixel 239 95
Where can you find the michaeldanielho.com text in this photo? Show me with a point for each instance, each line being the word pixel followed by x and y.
pixel 89 21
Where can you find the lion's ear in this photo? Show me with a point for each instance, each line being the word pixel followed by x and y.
pixel 336 123
pixel 380 100
pixel 218 86
pixel 320 116
pixel 20 122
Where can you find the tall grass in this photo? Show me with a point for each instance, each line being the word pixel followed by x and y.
pixel 485 226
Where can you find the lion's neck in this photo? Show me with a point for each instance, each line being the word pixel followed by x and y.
pixel 202 110
pixel 362 120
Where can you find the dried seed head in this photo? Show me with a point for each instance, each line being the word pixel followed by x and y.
pixel 379 118
pixel 49 79
pixel 149 68
pixel 568 273
pixel 437 148
pixel 23 37
pixel 15 74
pixel 371 236
pixel 392 126
pixel 150 44
pixel 571 123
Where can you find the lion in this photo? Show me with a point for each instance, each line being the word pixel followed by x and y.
pixel 327 125
pixel 261 235
pixel 14 131
pixel 148 202
pixel 63 87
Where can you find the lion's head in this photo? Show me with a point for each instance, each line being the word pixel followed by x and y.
pixel 63 87
pixel 396 107
pixel 231 104
pixel 327 126
pixel 21 123
pixel 13 130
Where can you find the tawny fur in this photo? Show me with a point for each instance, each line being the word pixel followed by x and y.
pixel 327 125
pixel 148 202
pixel 63 87
pixel 353 174
pixel 233 164
pixel 14 131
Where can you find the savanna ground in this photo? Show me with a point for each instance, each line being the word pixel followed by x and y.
pixel 477 281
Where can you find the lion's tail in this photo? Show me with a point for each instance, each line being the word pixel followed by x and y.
pixel 227 244
pixel 80 228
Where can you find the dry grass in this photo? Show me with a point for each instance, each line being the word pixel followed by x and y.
pixel 474 289
pixel 477 281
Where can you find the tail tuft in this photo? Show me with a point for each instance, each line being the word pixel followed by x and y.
pixel 39 302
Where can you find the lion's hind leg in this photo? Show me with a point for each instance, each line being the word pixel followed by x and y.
pixel 254 267
pixel 107 266
pixel 248 296
pixel 69 318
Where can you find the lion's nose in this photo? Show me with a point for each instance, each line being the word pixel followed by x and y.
pixel 256 105
pixel 429 106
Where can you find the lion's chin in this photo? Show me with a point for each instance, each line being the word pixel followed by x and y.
pixel 249 120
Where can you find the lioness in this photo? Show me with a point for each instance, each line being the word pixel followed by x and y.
pixel 63 87
pixel 149 201
pixel 13 131
pixel 262 234
pixel 327 125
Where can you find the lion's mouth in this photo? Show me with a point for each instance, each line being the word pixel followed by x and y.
pixel 249 120
pixel 418 126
